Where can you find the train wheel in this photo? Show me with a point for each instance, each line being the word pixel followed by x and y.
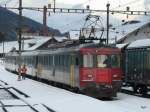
pixel 76 90
pixel 135 89
pixel 142 89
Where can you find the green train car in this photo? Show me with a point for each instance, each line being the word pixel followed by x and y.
pixel 137 65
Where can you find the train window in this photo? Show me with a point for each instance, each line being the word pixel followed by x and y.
pixel 88 60
pixel 62 60
pixel 47 60
pixel 44 61
pixel 51 60
pixel 145 61
pixel 102 61
pixel 77 61
pixel 66 60
pixel 56 60
pixel 59 60
pixel 148 60
pixel 115 60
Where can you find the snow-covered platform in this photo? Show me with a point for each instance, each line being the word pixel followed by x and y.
pixel 60 100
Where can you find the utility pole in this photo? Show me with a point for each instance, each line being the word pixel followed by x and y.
pixel 45 28
pixel 54 5
pixel 108 5
pixel 20 36
pixel 3 49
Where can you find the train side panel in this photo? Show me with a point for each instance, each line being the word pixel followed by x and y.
pixel 137 69
pixel 61 68
pixel 138 66
pixel 67 68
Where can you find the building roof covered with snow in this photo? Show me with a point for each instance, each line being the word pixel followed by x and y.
pixel 133 30
pixel 140 43
pixel 36 42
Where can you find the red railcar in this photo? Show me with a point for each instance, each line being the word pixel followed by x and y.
pixel 90 68
pixel 100 72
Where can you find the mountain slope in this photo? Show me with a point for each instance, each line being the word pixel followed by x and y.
pixel 9 25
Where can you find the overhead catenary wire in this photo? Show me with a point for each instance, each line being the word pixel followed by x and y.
pixel 83 11
pixel 62 10
pixel 68 25
pixel 123 12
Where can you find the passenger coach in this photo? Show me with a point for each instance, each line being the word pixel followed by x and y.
pixel 89 68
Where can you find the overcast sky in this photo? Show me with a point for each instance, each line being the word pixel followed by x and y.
pixel 98 4
pixel 57 21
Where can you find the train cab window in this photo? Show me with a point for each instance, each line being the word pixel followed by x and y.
pixel 102 61
pixel 115 60
pixel 88 60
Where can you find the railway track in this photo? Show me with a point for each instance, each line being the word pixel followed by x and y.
pixel 11 94
pixel 134 94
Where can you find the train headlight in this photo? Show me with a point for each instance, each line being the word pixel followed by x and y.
pixel 115 75
pixel 90 76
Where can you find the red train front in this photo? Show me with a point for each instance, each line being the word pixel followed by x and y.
pixel 100 71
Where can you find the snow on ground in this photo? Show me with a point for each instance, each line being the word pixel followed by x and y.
pixel 132 103
pixel 64 101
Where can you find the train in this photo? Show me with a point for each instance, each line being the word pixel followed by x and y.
pixel 136 66
pixel 91 68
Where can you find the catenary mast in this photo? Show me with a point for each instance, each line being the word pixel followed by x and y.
pixel 20 36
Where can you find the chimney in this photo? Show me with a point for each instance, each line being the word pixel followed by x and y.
pixel 45 28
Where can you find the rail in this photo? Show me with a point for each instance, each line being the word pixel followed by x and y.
pixel 129 92
pixel 13 92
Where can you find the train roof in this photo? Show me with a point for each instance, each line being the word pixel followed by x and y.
pixel 60 50
pixel 121 45
pixel 143 43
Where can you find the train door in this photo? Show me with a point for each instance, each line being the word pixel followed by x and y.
pixel 129 66
pixel 145 76
pixel 72 70
pixel 76 70
pixel 140 64
pixel 136 64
